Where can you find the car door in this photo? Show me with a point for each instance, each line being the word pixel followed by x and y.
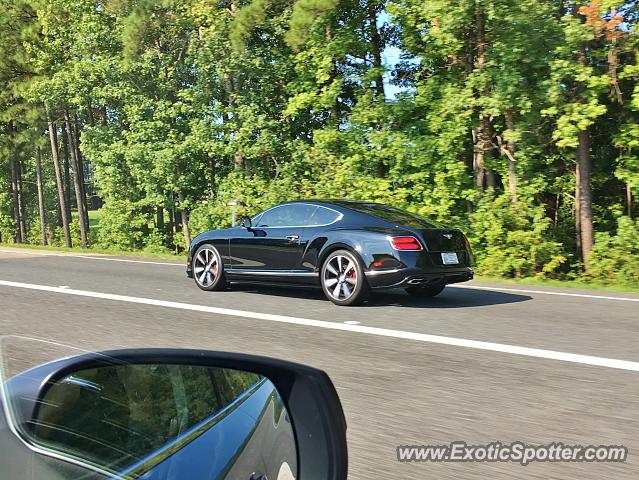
pixel 271 247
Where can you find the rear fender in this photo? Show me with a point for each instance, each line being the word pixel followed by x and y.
pixel 370 246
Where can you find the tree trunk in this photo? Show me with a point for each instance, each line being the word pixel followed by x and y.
pixel 483 133
pixel 66 169
pixel 629 199
pixel 478 160
pixel 585 195
pixel 184 217
pixel 43 222
pixel 376 47
pixel 53 137
pixel 491 179
pixel 212 178
pixel 578 213
pixel 90 113
pixel 17 237
pixel 229 92
pixel 510 148
pixel 16 187
pixel 159 218
pixel 332 76
pixel 76 135
pixel 22 223
pixel 484 178
pixel 171 227
pixel 77 179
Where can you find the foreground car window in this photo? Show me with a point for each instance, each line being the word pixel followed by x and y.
pixel 113 417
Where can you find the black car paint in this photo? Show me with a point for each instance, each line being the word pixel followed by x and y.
pixel 267 255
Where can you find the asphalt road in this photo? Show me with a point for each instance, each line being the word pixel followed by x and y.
pixel 408 380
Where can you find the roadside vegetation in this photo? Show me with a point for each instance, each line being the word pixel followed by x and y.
pixel 129 125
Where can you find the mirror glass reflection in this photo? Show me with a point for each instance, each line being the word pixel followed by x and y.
pixel 151 420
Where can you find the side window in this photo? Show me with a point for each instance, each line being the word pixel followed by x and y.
pixel 301 214
pixel 275 217
pixel 293 215
pixel 323 216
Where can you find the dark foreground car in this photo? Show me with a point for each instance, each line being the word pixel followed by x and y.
pixel 346 247
pixel 163 414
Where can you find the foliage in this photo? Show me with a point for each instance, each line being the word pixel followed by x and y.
pixel 514 240
pixel 122 225
pixel 184 106
pixel 615 257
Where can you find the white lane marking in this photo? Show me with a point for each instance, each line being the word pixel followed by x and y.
pixel 383 332
pixel 64 286
pixel 544 292
pixel 352 322
pixel 90 257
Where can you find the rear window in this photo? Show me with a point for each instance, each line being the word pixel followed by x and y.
pixel 393 215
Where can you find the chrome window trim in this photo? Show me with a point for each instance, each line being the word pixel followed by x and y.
pixel 340 215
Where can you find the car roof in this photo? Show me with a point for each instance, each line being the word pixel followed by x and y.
pixel 342 202
pixel 361 209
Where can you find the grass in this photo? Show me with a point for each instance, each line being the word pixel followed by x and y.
pixel 94 219
pixel 583 284
pixel 99 251
pixel 94 224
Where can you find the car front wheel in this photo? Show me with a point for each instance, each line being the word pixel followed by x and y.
pixel 208 270
pixel 343 279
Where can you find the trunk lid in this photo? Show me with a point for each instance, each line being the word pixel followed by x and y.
pixel 446 240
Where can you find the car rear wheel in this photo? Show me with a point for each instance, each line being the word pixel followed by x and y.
pixel 343 279
pixel 208 270
pixel 425 291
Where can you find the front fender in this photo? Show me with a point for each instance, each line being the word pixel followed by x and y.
pixel 220 239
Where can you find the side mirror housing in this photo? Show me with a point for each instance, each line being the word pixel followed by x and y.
pixel 246 223
pixel 299 428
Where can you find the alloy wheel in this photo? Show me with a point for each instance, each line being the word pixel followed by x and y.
pixel 206 267
pixel 340 277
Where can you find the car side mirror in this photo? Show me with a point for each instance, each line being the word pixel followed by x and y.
pixel 184 413
pixel 246 223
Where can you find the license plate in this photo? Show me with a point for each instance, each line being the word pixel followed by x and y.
pixel 450 258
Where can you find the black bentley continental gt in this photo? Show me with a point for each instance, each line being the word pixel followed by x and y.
pixel 347 247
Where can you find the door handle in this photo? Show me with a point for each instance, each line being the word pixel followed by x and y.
pixel 293 238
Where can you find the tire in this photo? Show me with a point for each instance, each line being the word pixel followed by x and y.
pixel 208 271
pixel 425 292
pixel 343 280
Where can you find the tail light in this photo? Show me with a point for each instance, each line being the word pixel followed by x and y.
pixel 405 243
